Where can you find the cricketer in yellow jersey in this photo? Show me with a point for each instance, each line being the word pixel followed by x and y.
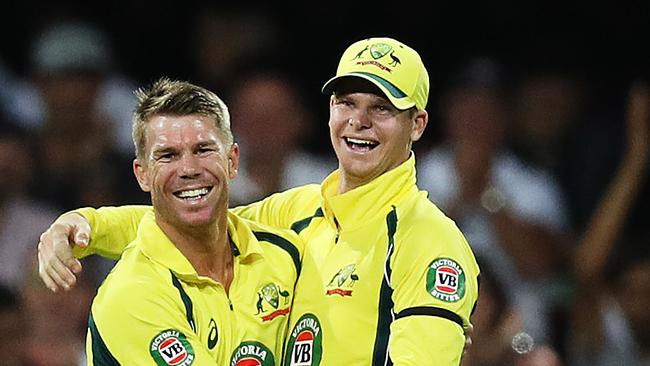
pixel 198 285
pixel 386 277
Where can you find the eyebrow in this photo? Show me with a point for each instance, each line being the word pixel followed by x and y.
pixel 159 150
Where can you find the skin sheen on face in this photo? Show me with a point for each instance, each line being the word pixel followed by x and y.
pixel 187 169
pixel 370 136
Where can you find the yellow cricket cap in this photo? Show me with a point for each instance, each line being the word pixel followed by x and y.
pixel 395 68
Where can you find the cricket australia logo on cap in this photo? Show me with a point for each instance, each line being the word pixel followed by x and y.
pixel 305 346
pixel 251 353
pixel 270 295
pixel 171 348
pixel 343 281
pixel 446 280
pixel 378 51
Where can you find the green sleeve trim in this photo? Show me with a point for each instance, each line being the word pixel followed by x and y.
pixel 385 315
pixel 301 225
pixel 282 243
pixel 101 355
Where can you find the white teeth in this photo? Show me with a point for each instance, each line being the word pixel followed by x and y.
pixel 360 142
pixel 193 193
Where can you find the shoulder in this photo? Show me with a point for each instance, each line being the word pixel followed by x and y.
pixel 423 230
pixel 133 275
pixel 266 233
pixel 421 218
pixel 278 244
pixel 306 192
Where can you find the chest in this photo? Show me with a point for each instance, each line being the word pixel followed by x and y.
pixel 345 264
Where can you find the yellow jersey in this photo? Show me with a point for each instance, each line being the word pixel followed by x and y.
pixel 154 309
pixel 386 277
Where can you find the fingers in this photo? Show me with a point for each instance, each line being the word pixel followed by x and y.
pixel 81 233
pixel 42 272
pixel 49 271
pixel 468 330
pixel 57 265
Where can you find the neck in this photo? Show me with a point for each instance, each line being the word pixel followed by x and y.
pixel 348 182
pixel 206 247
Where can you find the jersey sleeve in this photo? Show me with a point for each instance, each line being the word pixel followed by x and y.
pixel 282 209
pixel 124 329
pixel 435 288
pixel 112 229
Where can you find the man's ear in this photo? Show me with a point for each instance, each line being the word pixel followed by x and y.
pixel 140 172
pixel 419 124
pixel 233 161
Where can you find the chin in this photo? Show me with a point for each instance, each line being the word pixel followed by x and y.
pixel 198 219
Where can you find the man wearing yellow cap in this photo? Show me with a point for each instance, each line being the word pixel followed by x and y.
pixel 386 277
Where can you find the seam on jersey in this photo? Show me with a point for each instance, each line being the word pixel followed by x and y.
pixel 385 315
pixel 189 314
pixel 431 311
pixel 101 355
pixel 301 225
pixel 283 244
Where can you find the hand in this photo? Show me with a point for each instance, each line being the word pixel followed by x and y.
pixel 56 264
pixel 468 338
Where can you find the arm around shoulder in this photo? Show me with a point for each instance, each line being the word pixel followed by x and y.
pixel 112 228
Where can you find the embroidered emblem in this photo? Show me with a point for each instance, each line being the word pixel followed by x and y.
pixel 446 280
pixel 343 281
pixel 251 353
pixel 305 345
pixel 171 348
pixel 270 294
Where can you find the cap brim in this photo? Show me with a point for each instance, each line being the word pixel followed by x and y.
pixel 398 98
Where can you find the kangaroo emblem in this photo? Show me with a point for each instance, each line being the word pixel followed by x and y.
pixel 395 59
pixel 360 53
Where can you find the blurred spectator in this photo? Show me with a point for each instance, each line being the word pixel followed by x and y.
pixel 20 216
pixel 12 328
pixel 60 51
pixel 272 124
pixel 17 98
pixel 72 72
pixel 496 322
pixel 611 322
pixel 225 41
pixel 56 330
pixel 546 109
pixel 512 213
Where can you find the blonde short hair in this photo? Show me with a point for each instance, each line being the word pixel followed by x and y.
pixel 180 98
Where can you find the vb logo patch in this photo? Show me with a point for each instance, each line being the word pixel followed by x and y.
pixel 171 348
pixel 446 280
pixel 270 295
pixel 251 353
pixel 305 346
pixel 343 281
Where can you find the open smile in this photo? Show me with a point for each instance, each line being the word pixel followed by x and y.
pixel 360 145
pixel 194 194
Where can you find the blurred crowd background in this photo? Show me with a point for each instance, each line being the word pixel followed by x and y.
pixel 537 146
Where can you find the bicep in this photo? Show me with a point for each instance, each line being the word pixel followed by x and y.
pixel 426 339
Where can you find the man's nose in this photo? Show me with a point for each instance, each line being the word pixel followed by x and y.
pixel 360 120
pixel 190 166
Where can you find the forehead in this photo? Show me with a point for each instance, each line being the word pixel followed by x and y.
pixel 164 128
